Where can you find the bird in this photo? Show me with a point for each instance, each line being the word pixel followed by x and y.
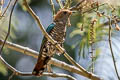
pixel 57 30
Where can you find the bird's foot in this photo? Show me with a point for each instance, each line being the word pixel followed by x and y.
pixel 49 69
pixel 37 73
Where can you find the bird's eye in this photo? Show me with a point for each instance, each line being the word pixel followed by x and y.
pixel 65 12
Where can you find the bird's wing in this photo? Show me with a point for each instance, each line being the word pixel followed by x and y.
pixel 48 30
pixel 39 67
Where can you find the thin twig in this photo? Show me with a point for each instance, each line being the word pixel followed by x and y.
pixel 60 4
pixel 6 8
pixel 11 76
pixel 54 42
pixel 1 6
pixel 67 4
pixel 107 23
pixel 92 56
pixel 53 61
pixel 110 44
pixel 93 8
pixel 53 7
pixel 9 27
pixel 77 5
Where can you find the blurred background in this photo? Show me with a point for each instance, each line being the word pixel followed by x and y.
pixel 26 32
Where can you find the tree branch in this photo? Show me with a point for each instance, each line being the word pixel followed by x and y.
pixel 9 27
pixel 107 23
pixel 1 6
pixel 6 8
pixel 60 3
pixel 53 7
pixel 53 61
pixel 16 72
pixel 110 44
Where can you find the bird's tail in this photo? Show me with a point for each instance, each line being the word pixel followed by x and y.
pixel 40 66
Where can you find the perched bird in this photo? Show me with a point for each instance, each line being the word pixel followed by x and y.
pixel 57 30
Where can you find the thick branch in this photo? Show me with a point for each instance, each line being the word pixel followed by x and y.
pixel 53 61
pixel 19 73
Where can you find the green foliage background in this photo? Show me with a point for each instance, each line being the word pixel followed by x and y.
pixel 77 40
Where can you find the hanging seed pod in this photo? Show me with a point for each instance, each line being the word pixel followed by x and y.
pixel 92 32
pixel 117 27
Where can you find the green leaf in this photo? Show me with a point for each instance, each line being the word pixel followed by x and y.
pixel 3 69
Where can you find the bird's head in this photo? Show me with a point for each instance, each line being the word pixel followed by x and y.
pixel 62 15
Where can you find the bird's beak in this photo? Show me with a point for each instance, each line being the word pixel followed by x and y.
pixel 72 12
